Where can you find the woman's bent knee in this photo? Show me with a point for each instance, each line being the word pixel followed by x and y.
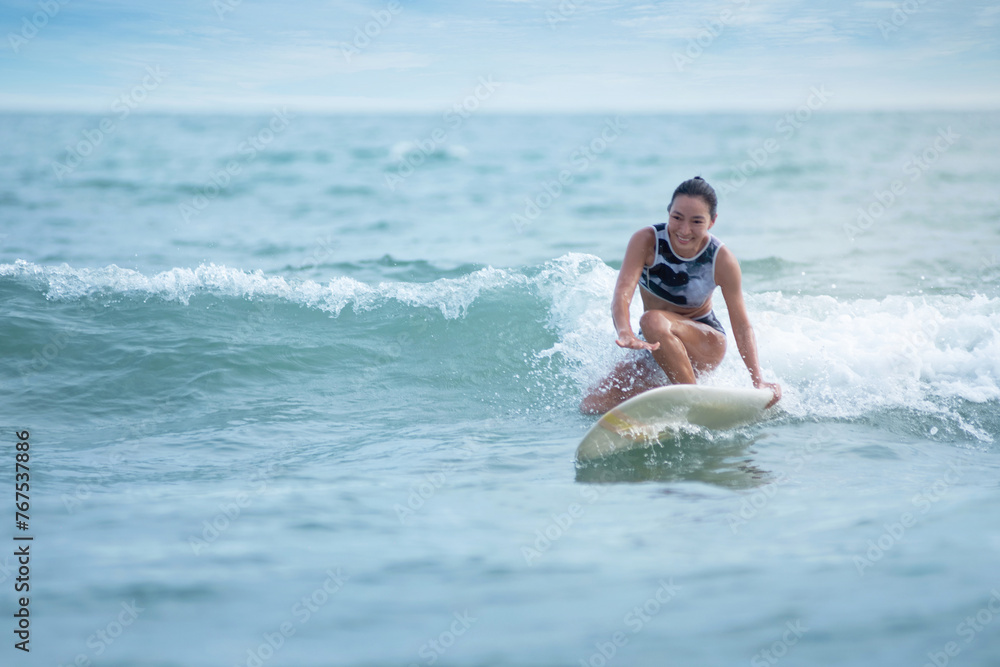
pixel 654 323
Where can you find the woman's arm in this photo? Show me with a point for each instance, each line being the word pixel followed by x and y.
pixel 639 254
pixel 730 279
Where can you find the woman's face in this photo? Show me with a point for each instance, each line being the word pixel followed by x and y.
pixel 689 223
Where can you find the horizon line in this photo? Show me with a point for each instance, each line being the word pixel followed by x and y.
pixel 522 111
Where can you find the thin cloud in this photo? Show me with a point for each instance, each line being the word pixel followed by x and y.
pixel 598 54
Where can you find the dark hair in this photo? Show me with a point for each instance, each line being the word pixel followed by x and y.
pixel 697 187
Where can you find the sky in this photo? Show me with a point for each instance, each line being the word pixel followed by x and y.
pixel 499 55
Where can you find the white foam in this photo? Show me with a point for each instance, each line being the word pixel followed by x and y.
pixel 579 288
pixel 451 296
pixel 900 351
pixel 833 357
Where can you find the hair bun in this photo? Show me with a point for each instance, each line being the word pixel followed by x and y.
pixel 697 187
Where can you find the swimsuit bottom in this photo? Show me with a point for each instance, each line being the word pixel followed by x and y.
pixel 712 321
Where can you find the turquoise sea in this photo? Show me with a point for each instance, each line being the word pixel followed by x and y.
pixel 302 390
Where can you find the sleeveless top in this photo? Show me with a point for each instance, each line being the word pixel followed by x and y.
pixel 687 283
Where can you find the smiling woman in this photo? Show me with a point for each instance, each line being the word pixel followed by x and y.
pixel 677 264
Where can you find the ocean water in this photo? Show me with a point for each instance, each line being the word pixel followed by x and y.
pixel 302 390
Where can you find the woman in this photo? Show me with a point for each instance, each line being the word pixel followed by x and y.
pixel 677 264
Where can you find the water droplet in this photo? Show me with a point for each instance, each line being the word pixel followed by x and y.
pixel 934 430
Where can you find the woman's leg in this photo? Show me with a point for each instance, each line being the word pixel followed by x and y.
pixel 687 348
pixel 629 378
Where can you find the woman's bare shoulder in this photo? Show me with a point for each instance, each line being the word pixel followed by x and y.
pixel 643 245
pixel 727 268
pixel 647 233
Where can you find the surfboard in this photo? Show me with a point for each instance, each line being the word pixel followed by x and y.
pixel 641 419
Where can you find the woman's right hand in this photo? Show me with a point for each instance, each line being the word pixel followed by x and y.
pixel 775 389
pixel 630 341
